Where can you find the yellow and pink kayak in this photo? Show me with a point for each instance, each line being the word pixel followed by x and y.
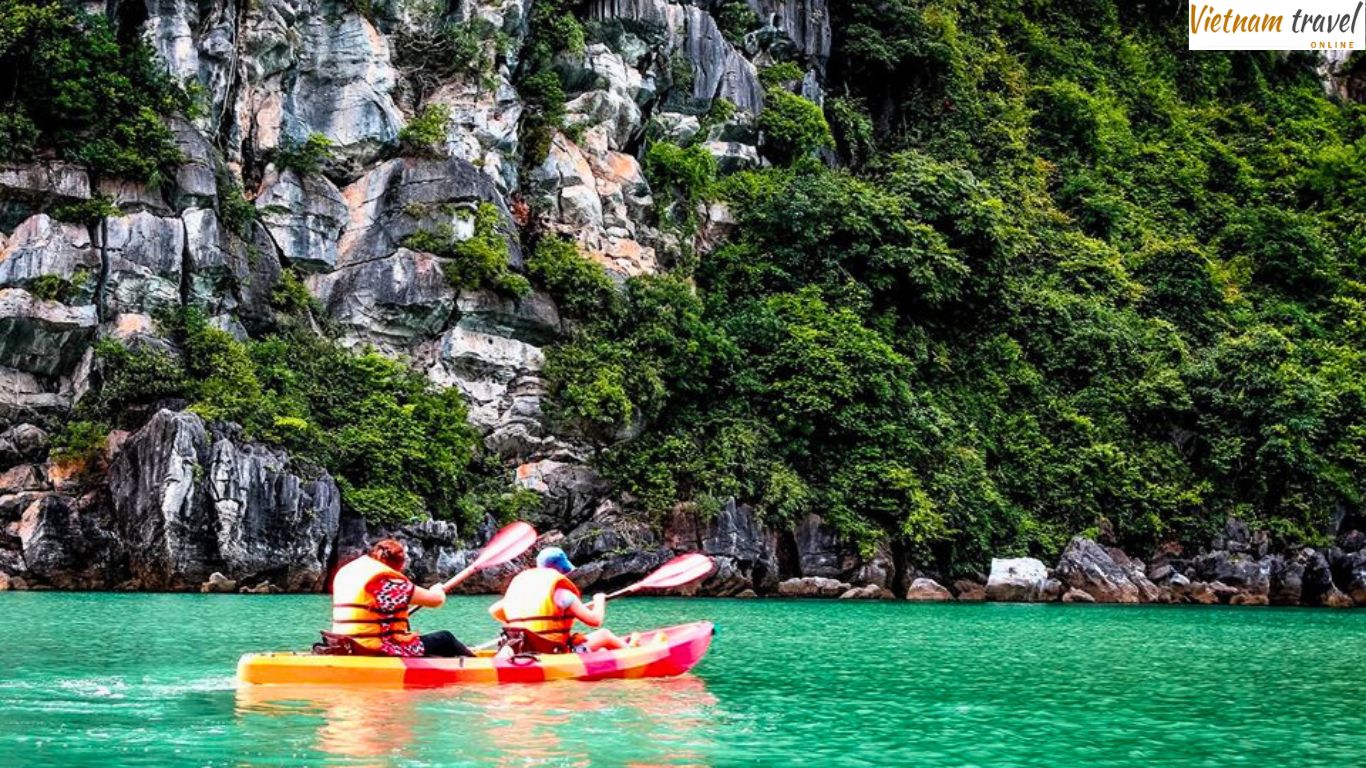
pixel 659 653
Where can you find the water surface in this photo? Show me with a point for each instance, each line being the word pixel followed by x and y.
pixel 146 680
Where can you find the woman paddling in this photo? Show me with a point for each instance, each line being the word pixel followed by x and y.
pixel 370 602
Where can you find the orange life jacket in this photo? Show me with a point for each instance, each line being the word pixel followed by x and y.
pixel 530 604
pixel 356 612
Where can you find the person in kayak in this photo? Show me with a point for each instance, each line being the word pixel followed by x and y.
pixel 370 602
pixel 539 608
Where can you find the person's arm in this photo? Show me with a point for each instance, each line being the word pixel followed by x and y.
pixel 429 597
pixel 497 612
pixel 590 615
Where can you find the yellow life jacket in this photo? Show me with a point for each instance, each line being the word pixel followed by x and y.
pixel 356 612
pixel 530 604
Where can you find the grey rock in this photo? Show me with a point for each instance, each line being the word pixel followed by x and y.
pixel 927 590
pixel 967 590
pixel 65 546
pixel 1286 580
pixel 746 552
pixel 133 196
pixel 805 23
pixel 144 253
pixel 812 586
pixel 733 156
pixel 218 583
pixel 1074 595
pixel 1087 566
pixel 186 505
pixel 44 181
pixel 42 337
pixel 688 31
pixel 1022 579
pixel 196 183
pixel 304 215
pixel 393 302
pixel 271 522
pixel 1336 599
pixel 822 552
pixel 400 197
pixel 868 592
pixel 22 442
pixel 570 492
pixel 43 247
pixel 612 550
pixel 1239 570
pixel 23 396
pixel 1349 572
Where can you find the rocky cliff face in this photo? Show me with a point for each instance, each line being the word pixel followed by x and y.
pixel 175 500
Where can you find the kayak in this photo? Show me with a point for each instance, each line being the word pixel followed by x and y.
pixel 659 653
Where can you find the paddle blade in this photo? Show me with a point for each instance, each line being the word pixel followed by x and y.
pixel 684 569
pixel 507 544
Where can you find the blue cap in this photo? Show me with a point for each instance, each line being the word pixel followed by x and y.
pixel 554 557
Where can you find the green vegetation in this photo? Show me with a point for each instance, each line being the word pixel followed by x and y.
pixel 80 442
pixel 688 173
pixel 67 84
pixel 434 51
pixel 425 134
pixel 735 18
pixel 792 126
pixel 481 261
pixel 1077 276
pixel 308 156
pixel 398 449
pixel 580 286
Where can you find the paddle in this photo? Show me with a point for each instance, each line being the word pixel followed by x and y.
pixel 684 569
pixel 507 544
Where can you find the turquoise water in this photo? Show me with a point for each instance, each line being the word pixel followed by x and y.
pixel 142 680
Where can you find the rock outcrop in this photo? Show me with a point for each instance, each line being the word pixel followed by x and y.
pixel 1020 580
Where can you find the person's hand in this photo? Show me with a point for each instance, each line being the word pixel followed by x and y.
pixel 599 599
pixel 440 593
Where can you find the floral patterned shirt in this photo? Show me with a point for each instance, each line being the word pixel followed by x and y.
pixel 391 595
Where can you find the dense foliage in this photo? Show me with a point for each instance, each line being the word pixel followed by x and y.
pixel 398 449
pixel 1077 276
pixel 68 85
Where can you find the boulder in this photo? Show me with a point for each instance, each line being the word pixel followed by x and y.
pixel 39 337
pixel 1249 598
pixel 1316 581
pixel 218 583
pixel 1022 579
pixel 1089 567
pixel 44 182
pixel 1224 592
pixel 392 302
pixel 1286 579
pixel 1349 572
pixel 22 442
pixel 304 215
pixel 264 588
pixel 867 592
pixel 1074 595
pixel 812 586
pixel 196 180
pixel 1336 599
pixel 927 590
pixel 24 477
pixel 747 594
pixel 969 591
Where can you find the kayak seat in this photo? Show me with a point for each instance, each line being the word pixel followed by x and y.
pixel 340 645
pixel 524 641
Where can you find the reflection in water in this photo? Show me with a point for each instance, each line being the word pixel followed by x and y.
pixel 649 722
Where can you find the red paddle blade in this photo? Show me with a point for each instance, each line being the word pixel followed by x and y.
pixel 508 544
pixel 684 569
